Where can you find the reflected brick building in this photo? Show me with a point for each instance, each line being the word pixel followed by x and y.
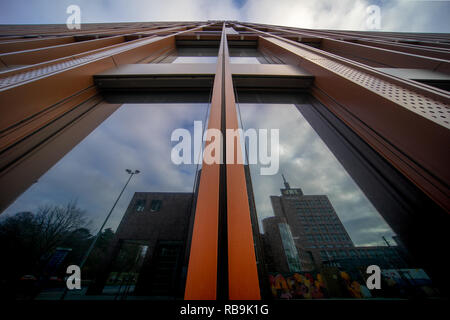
pixel 159 222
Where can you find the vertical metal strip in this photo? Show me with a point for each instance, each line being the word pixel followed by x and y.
pixel 222 259
pixel 201 282
pixel 242 270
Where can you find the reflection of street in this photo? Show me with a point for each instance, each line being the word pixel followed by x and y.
pixel 35 259
pixel 118 289
pixel 55 294
pixel 110 292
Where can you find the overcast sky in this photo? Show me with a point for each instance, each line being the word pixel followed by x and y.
pixel 396 15
pixel 137 136
pixel 307 163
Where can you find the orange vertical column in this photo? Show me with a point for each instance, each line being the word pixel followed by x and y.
pixel 242 270
pixel 201 282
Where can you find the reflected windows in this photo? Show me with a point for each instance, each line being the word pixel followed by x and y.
pixel 132 248
pixel 327 193
pixel 191 55
pixel 155 205
pixel 140 205
pixel 251 56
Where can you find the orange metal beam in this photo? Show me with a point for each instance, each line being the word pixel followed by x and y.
pixel 201 282
pixel 243 283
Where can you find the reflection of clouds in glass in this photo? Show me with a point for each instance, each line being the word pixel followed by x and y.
pixel 206 59
pixel 93 173
pixel 307 163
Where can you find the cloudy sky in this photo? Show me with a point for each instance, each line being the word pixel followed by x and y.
pixel 307 163
pixel 138 136
pixel 93 173
pixel 396 15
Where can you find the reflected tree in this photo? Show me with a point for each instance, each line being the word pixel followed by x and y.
pixel 27 240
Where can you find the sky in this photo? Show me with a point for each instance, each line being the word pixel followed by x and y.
pixel 307 163
pixel 395 15
pixel 138 136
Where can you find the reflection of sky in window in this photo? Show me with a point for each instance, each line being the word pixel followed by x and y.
pixel 195 60
pixel 93 173
pixel 307 163
pixel 247 60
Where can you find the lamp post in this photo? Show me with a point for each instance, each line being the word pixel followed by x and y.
pixel 91 247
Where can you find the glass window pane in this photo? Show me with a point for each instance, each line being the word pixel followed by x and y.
pixel 248 60
pixel 142 248
pixel 195 60
pixel 197 51
pixel 314 196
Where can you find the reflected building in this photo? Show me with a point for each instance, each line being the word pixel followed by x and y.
pixel 150 246
pixel 283 253
pixel 310 224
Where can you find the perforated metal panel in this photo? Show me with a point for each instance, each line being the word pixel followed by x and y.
pixel 66 64
pixel 416 102
pixel 427 107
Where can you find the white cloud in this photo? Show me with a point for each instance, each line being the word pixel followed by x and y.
pixel 135 137
pixel 396 15
pixel 307 163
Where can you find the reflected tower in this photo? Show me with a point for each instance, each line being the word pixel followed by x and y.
pixel 314 224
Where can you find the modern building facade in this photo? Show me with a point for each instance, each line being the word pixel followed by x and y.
pixel 377 103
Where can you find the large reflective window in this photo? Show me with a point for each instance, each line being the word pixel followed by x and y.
pixel 319 230
pixel 142 250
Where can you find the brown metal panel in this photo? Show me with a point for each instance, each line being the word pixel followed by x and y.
pixel 18 177
pixel 369 49
pixel 28 127
pixel 35 96
pixel 52 83
pixel 159 69
pixel 58 51
pixel 37 91
pixel 391 112
pixel 19 45
pixel 383 56
pixel 419 50
pixel 406 58
pixel 144 51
